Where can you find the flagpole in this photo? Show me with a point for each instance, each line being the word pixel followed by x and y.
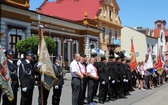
pixel 40 35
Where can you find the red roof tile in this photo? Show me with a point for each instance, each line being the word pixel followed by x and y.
pixel 71 9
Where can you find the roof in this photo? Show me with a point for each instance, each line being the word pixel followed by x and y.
pixel 156 33
pixel 71 9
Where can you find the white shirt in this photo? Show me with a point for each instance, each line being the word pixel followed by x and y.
pixel 83 69
pixel 74 68
pixel 142 70
pixel 92 70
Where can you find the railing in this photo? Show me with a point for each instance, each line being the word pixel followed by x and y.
pixel 113 41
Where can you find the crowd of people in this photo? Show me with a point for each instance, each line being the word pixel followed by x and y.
pixel 25 75
pixel 110 79
pixel 105 79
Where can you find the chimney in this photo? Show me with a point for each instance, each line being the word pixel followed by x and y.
pixel 58 1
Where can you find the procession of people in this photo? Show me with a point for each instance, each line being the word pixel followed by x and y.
pixel 101 78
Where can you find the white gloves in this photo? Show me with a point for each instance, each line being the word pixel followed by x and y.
pixel 103 83
pixel 56 87
pixel 39 64
pixel 125 80
pixel 109 78
pixel 113 81
pixel 24 89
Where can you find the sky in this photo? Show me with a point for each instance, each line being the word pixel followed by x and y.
pixel 134 13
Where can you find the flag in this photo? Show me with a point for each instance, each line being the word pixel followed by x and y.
pixel 48 77
pixel 5 80
pixel 159 62
pixel 133 63
pixel 149 64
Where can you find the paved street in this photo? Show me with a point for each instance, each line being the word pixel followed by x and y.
pixel 156 96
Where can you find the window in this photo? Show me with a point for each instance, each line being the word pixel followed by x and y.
pixel 110 35
pixel 66 51
pixel 152 48
pixel 110 14
pixel 116 34
pixel 103 32
pixel 161 37
pixel 56 52
pixel 159 25
pixel 104 14
pixel 148 46
pixel 74 49
pixel 13 40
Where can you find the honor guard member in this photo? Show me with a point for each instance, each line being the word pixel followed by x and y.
pixel 124 76
pixel 113 72
pixel 77 76
pixel 129 77
pixel 92 76
pixel 96 64
pixel 104 78
pixel 57 87
pixel 13 74
pixel 43 92
pixel 26 77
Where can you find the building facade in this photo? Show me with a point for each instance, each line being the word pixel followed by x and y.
pixel 98 13
pixel 17 23
pixel 139 41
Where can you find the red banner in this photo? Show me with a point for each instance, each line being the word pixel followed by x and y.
pixel 159 65
pixel 133 62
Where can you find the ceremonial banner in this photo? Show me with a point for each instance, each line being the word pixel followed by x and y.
pixel 149 63
pixel 159 63
pixel 46 69
pixel 5 80
pixel 133 63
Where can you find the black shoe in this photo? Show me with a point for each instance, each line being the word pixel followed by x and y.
pixel 101 102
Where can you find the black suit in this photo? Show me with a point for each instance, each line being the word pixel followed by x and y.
pixel 26 76
pixel 57 90
pixel 113 72
pixel 13 73
pixel 104 77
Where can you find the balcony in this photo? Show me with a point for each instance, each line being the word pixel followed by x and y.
pixel 113 41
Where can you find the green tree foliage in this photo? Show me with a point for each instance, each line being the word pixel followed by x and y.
pixel 31 43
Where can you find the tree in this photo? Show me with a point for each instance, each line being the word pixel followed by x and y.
pixel 32 42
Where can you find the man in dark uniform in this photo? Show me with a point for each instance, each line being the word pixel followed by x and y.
pixel 129 77
pixel 96 64
pixel 57 88
pixel 113 72
pixel 43 92
pixel 26 77
pixel 124 83
pixel 13 74
pixel 104 79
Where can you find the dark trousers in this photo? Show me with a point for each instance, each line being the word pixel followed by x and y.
pixel 56 95
pixel 43 96
pixel 103 91
pixel 114 92
pixel 90 90
pixel 76 91
pixel 96 87
pixel 85 82
pixel 26 97
pixel 7 102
